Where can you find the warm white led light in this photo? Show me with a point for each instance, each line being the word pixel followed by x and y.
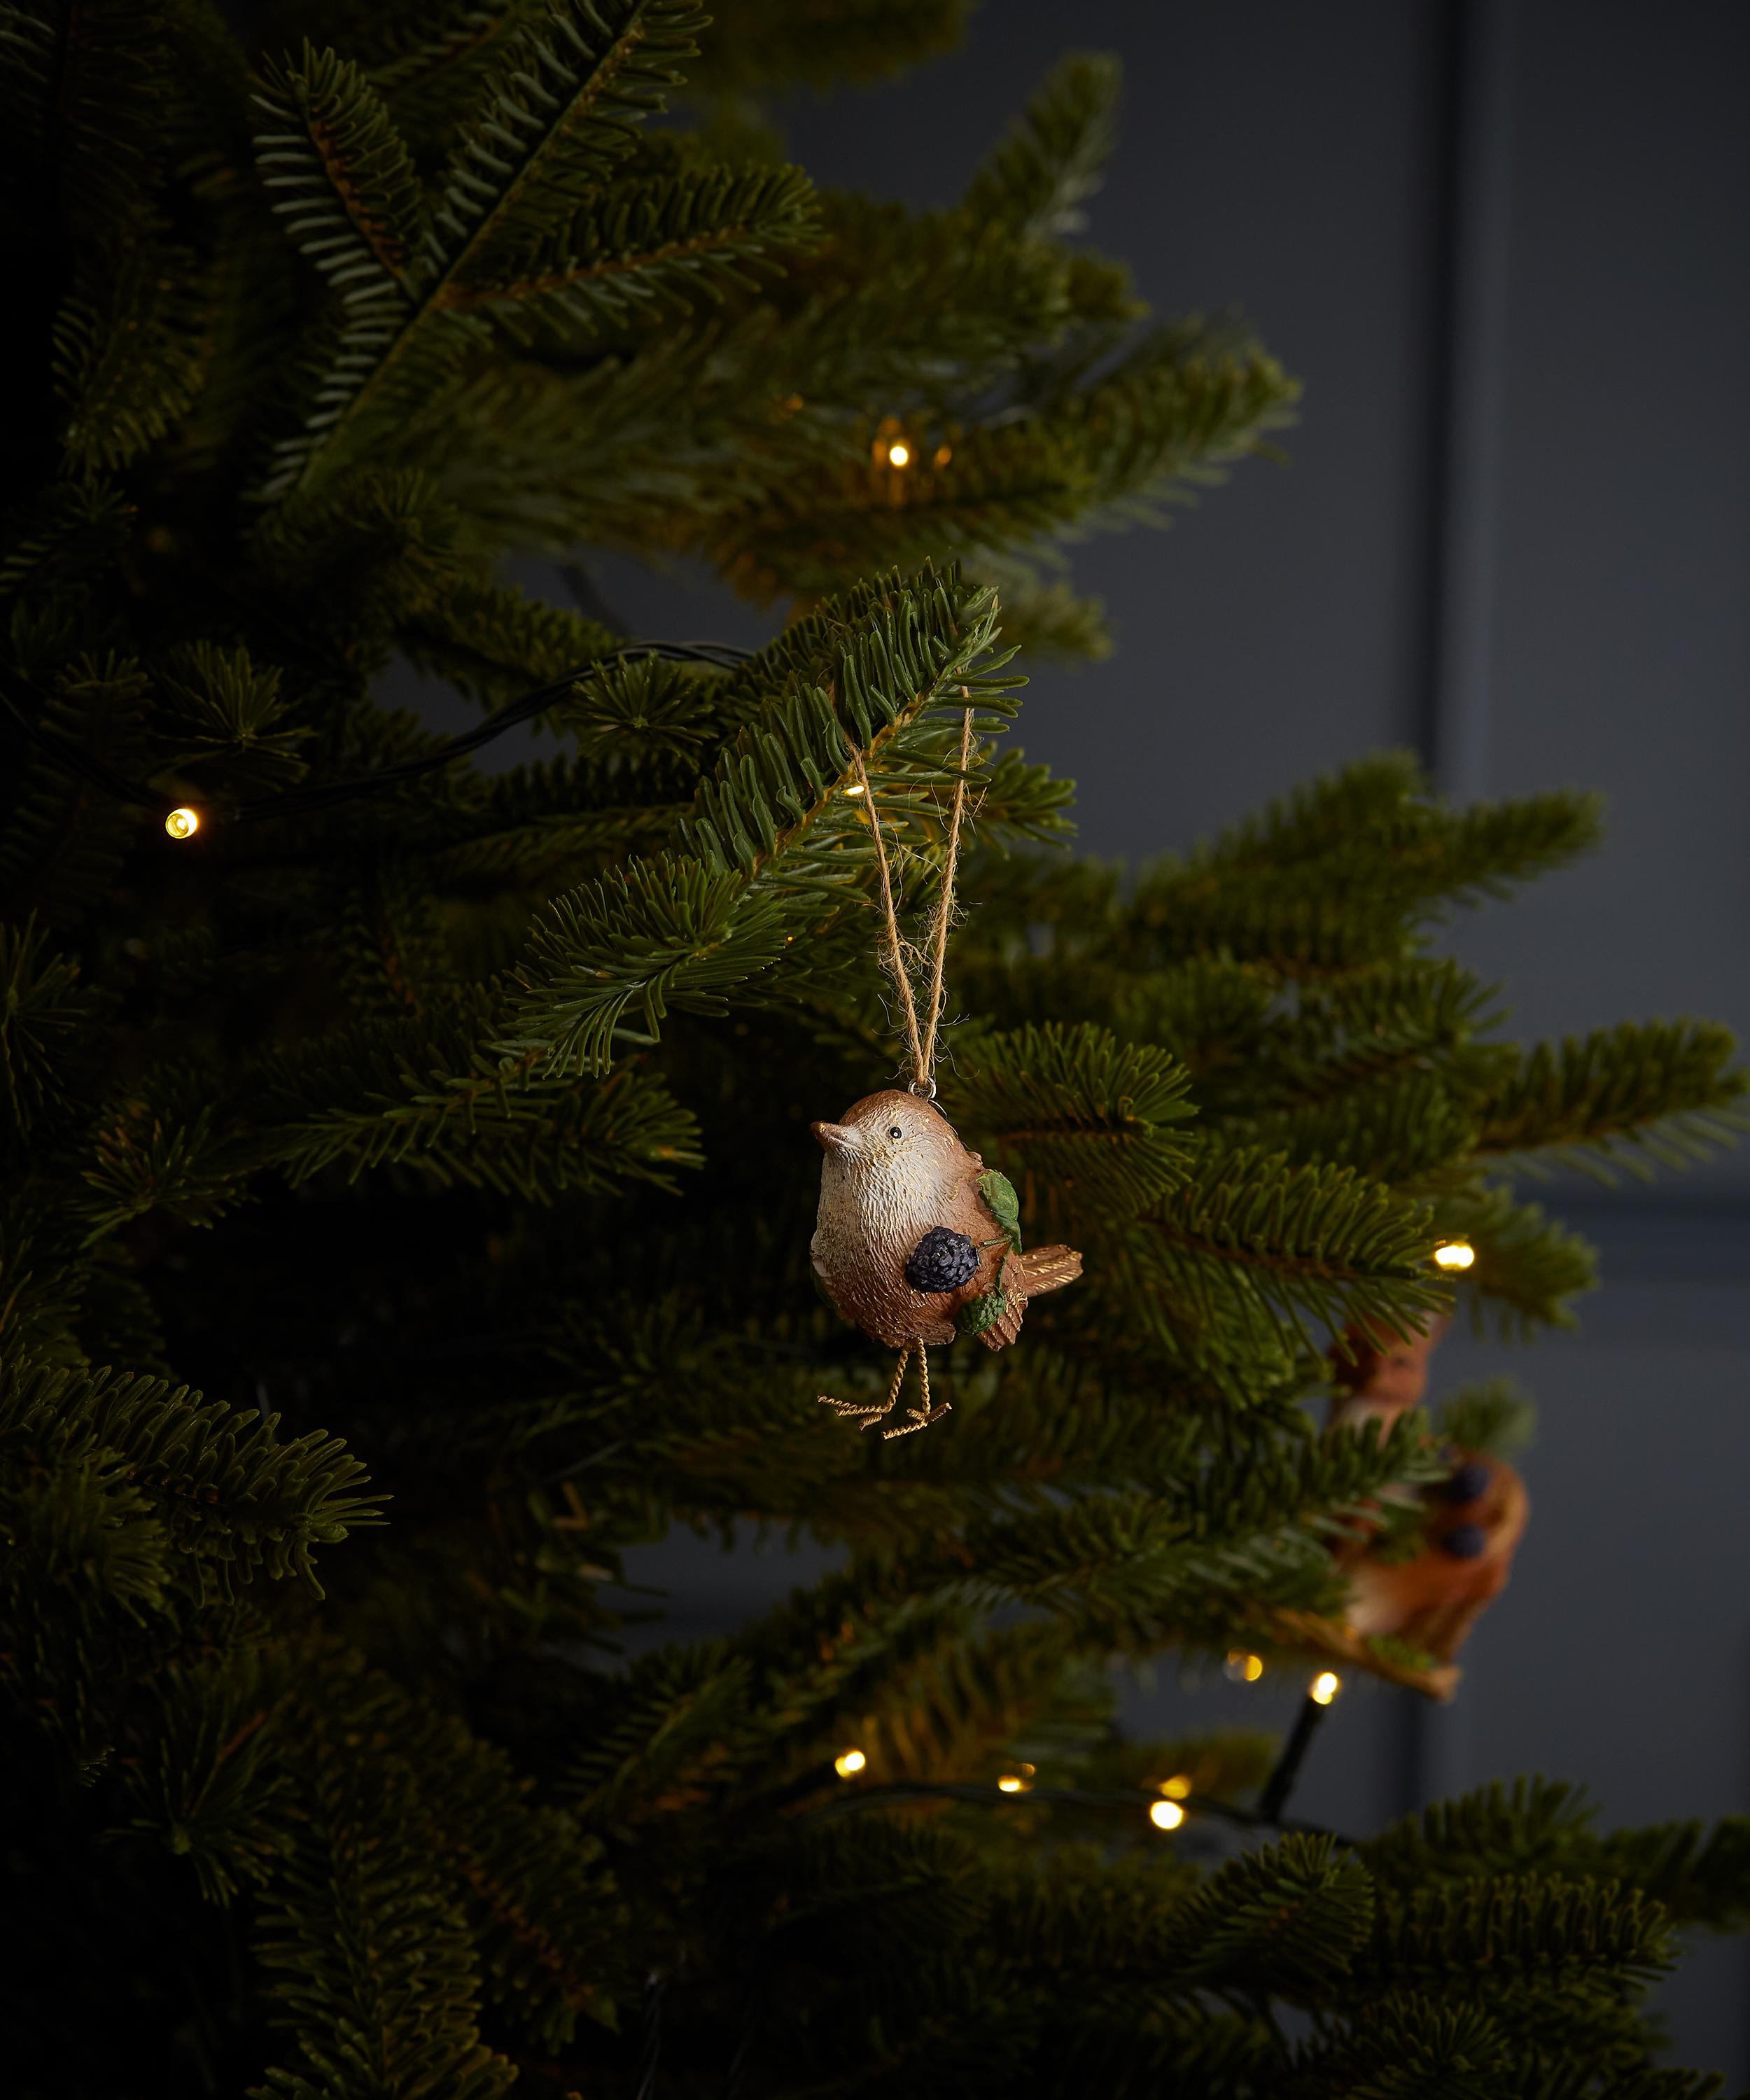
pixel 898 454
pixel 1454 1255
pixel 1324 1688
pixel 183 823
pixel 848 1763
pixel 1165 1815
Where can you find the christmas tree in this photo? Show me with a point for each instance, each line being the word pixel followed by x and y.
pixel 407 1176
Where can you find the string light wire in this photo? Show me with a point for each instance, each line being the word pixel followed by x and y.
pixel 851 1800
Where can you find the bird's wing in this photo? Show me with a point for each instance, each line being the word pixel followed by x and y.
pixel 1001 1332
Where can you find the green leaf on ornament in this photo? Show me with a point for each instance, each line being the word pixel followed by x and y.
pixel 978 1315
pixel 999 1193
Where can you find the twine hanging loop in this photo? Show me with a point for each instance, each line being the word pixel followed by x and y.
pixel 921 1039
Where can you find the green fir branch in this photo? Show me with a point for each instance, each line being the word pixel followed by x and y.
pixel 429 61
pixel 374 1974
pixel 562 111
pixel 1642 1093
pixel 341 177
pixel 546 1928
pixel 665 242
pixel 127 354
pixel 1337 876
pixel 1383 1025
pixel 74 529
pixel 427 1093
pixel 1492 1416
pixel 213 1789
pixel 64 842
pixel 42 1010
pixel 354 208
pixel 1037 177
pixel 76 1517
pixel 1403 1130
pixel 776 804
pixel 1528 1268
pixel 552 121
pixel 1288 1920
pixel 1251 1239
pixel 1087 1114
pixel 221 710
pixel 783 43
pixel 1512 1928
pixel 607 962
pixel 226 1491
pixel 495 643
pixel 146 1157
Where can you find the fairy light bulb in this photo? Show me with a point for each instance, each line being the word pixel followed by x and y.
pixel 858 790
pixel 899 454
pixel 1324 1688
pixel 1017 1781
pixel 182 823
pixel 1243 1667
pixel 1454 1255
pixel 1178 1787
pixel 1165 1815
pixel 848 1763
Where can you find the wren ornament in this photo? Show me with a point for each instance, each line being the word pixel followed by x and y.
pixel 1475 1517
pixel 916 1241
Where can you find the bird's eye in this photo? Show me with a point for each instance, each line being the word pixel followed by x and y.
pixel 896 1131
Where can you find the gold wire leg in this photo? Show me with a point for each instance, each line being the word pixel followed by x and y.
pixel 859 1410
pixel 893 1389
pixel 922 1416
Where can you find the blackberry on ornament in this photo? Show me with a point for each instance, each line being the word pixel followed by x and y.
pixel 942 1260
pixel 1466 1482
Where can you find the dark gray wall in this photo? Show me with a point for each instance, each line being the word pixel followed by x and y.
pixel 1623 622
pixel 1283 160
pixel 1503 244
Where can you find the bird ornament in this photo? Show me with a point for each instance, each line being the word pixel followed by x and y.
pixel 1474 1518
pixel 918 1241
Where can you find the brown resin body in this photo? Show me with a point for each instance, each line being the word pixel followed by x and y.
pixel 1382 1376
pixel 1434 1601
pixel 880 1193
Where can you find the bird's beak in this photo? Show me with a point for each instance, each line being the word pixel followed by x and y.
pixel 839 1138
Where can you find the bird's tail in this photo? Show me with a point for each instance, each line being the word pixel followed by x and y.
pixel 1026 1276
pixel 1048 1268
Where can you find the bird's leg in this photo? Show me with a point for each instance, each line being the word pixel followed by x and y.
pixel 859 1410
pixel 923 1415
pixel 886 1407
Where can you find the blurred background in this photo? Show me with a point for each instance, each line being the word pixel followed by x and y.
pixel 1503 243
